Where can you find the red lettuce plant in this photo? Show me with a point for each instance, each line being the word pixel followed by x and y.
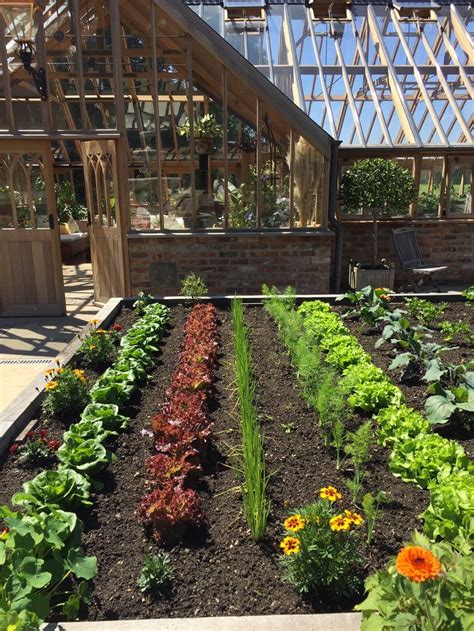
pixel 169 510
pixel 182 431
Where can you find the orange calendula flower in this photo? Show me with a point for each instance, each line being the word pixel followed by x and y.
pixel 339 522
pixel 354 518
pixel 51 385
pixel 50 371
pixel 417 564
pixel 101 331
pixel 329 493
pixel 294 523
pixel 290 545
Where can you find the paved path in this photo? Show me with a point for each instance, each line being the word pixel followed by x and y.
pixel 28 346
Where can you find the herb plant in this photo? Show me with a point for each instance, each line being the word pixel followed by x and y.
pixel 357 447
pixel 425 311
pixel 193 287
pixel 469 293
pixel 371 509
pixel 450 330
pixel 256 505
pixel 156 573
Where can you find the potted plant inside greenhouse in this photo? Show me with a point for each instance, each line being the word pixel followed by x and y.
pixel 380 188
pixel 206 130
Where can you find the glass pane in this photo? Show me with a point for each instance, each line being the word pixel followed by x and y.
pixel 461 189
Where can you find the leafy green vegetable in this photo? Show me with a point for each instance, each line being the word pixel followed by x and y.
pixel 107 414
pixel 372 396
pixel 427 459
pixel 399 423
pixel 84 455
pixel 64 488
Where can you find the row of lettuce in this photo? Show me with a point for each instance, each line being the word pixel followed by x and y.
pixel 325 352
pixel 43 567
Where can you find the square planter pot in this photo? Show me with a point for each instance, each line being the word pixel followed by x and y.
pixel 361 275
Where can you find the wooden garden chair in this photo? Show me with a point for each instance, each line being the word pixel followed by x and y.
pixel 411 258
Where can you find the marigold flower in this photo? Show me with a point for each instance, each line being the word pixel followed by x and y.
pixel 294 523
pixel 117 327
pixel 101 331
pixel 417 564
pixel 51 385
pixel 290 545
pixel 54 444
pixel 329 493
pixel 354 518
pixel 13 448
pixel 92 346
pixel 339 522
pixel 79 372
pixel 94 322
pixel 50 371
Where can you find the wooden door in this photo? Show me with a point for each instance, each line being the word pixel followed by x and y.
pixel 103 199
pixel 31 279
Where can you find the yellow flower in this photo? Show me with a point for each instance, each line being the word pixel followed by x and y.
pixel 51 385
pixel 290 545
pixel 354 518
pixel 95 322
pixel 78 372
pixel 330 493
pixel 101 331
pixel 294 523
pixel 339 522
pixel 92 346
pixel 50 371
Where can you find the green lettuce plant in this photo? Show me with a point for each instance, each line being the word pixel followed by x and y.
pixel 107 414
pixel 64 488
pixel 399 423
pixel 450 515
pixel 88 430
pixel 114 386
pixel 427 459
pixel 84 455
pixel 346 353
pixel 357 374
pixel 372 396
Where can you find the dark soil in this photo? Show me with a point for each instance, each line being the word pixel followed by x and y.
pixel 414 391
pixel 220 570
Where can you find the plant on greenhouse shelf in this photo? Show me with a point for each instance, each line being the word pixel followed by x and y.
pixel 193 287
pixel 320 547
pixel 67 392
pixel 379 187
pixel 205 130
pixel 156 573
pixel 428 586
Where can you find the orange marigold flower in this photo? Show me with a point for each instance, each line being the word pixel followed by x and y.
pixel 329 493
pixel 417 564
pixel 294 523
pixel 95 322
pixel 51 385
pixel 354 518
pixel 290 545
pixel 339 522
pixel 101 331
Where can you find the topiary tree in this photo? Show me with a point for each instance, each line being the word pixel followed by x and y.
pixel 377 186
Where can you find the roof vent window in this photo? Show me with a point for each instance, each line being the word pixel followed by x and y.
pixel 245 9
pixel 415 8
pixel 327 9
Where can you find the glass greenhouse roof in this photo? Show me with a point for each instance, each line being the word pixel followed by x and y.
pixel 370 73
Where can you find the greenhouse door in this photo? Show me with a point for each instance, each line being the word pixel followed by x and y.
pixel 31 281
pixel 103 200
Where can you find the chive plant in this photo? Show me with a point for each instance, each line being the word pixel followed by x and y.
pixel 254 487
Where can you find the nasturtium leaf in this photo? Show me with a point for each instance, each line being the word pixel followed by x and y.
pixel 82 566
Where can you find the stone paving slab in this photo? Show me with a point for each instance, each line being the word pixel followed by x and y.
pixel 311 622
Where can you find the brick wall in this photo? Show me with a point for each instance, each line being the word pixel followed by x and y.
pixel 229 263
pixel 444 242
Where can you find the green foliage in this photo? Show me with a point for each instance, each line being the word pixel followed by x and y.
pixel 469 293
pixel 84 455
pixel 107 414
pixel 143 300
pixel 427 459
pixel 193 287
pixel 450 515
pixel 357 447
pixel 99 347
pixel 376 186
pixel 66 204
pixel 67 393
pixel 358 374
pixel 371 509
pixel 370 304
pixel 330 402
pixel 338 436
pixel 326 558
pixel 64 488
pixel 456 400
pixel 347 351
pixel 88 430
pixel 398 424
pixel 256 505
pixel 156 573
pixel 450 330
pixel 204 127
pixel 446 602
pixel 373 396
pixel 425 311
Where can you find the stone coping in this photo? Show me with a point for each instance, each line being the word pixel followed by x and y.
pixel 307 622
pixel 296 232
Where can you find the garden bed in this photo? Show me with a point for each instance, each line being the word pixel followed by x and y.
pixel 219 569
